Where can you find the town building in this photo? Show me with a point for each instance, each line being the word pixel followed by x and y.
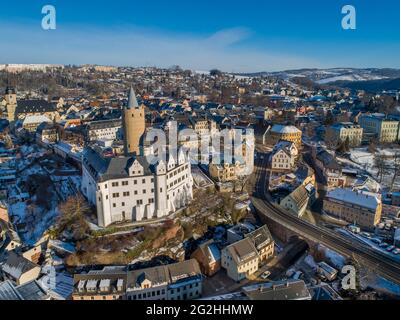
pixel 9 239
pixel 224 172
pixel 339 133
pixel 331 169
pixel 380 128
pixel 24 108
pixel 30 291
pixel 240 259
pixel 47 133
pixel 278 291
pixel 179 281
pixel 360 208
pixel 19 269
pixel 104 130
pixel 208 256
pixel 296 202
pixel 288 133
pixel 263 242
pixel 284 155
pixel 203 126
pixel 106 284
pixel 31 123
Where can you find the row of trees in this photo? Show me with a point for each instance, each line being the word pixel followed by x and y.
pixel 385 167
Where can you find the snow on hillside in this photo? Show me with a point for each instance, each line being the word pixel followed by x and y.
pixel 350 77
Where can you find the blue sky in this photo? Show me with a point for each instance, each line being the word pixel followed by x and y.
pixel 251 35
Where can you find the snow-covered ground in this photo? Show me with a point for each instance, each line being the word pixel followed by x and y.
pixel 334 258
pixel 380 284
pixel 366 161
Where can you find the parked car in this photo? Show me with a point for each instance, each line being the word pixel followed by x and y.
pixel 390 249
pixel 384 245
pixel 265 275
pixel 396 251
pixel 376 240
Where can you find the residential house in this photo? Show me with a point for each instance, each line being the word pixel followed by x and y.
pixel 179 281
pixel 263 242
pixel 19 269
pixel 240 259
pixel 330 168
pixel 284 155
pixel 31 291
pixel 208 256
pixel 296 202
pixel 106 284
pixel 148 284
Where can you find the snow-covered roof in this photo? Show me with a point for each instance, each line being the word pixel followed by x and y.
pixel 36 119
pixel 284 129
pixel 362 199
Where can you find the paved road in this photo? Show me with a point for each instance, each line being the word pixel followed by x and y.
pixel 365 255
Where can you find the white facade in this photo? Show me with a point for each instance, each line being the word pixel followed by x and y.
pixel 105 130
pixel 129 190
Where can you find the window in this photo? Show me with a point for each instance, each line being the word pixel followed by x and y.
pixel 115 195
pixel 135 182
pixel 125 183
pixel 135 192
pixel 115 184
pixel 143 181
pixel 123 204
pixel 114 205
pixel 126 194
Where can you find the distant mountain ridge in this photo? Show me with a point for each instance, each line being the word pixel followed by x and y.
pixel 369 79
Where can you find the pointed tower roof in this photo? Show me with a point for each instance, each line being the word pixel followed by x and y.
pixel 132 101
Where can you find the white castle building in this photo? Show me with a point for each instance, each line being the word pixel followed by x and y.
pixel 128 188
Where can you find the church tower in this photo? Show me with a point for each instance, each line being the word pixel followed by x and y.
pixel 11 103
pixel 133 119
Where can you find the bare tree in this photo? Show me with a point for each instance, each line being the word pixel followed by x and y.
pixel 396 169
pixel 382 165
